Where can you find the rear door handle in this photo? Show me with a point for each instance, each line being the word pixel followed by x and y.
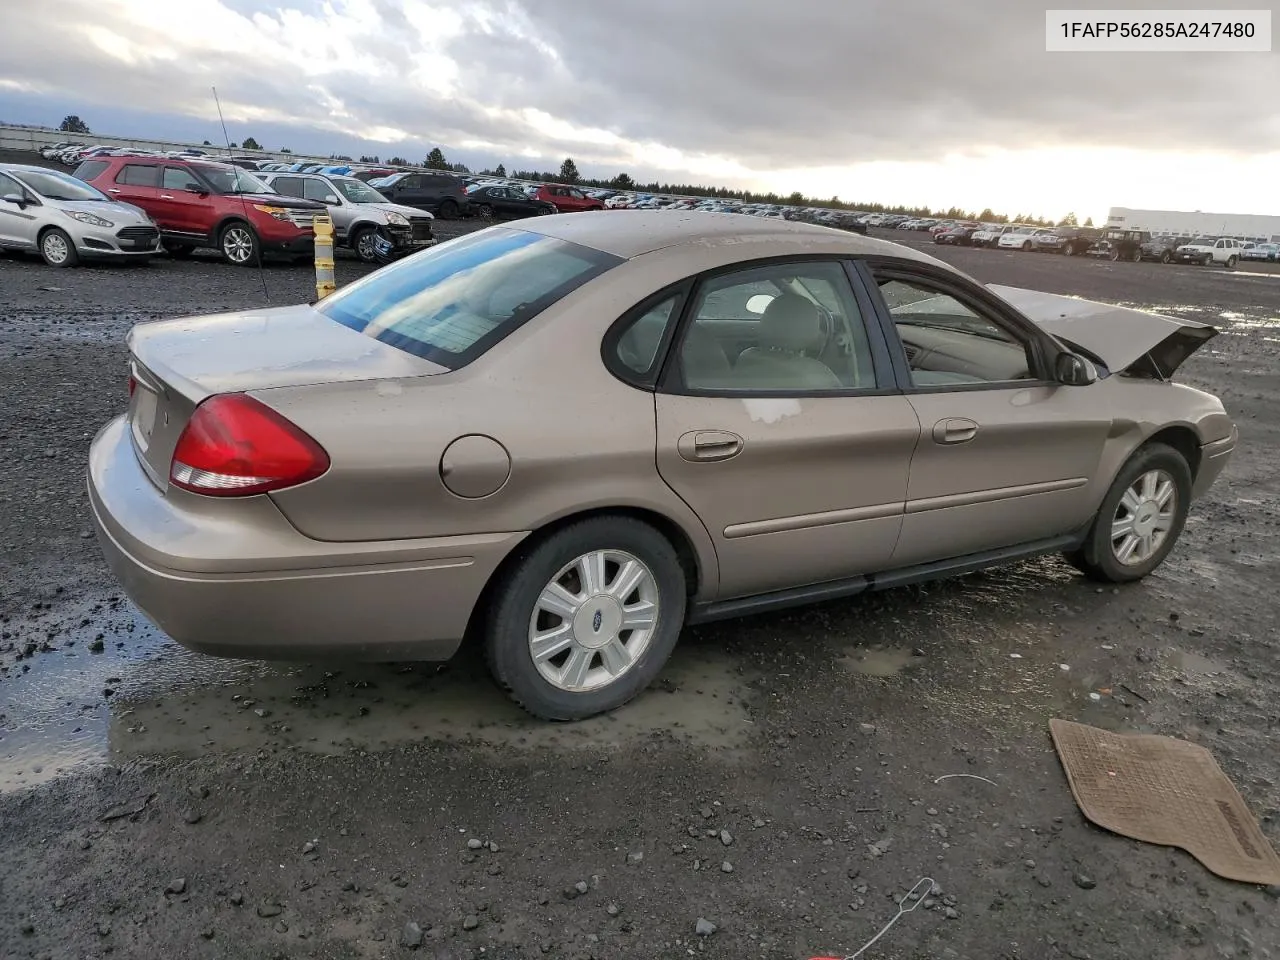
pixel 709 445
pixel 955 430
pixel 166 196
pixel 112 190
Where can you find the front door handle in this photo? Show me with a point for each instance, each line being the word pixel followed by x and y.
pixel 166 196
pixel 112 190
pixel 954 430
pixel 709 445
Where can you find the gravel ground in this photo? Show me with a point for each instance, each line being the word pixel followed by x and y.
pixel 768 799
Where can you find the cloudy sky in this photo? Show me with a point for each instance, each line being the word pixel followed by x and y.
pixel 914 101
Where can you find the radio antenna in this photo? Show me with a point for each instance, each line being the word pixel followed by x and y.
pixel 262 273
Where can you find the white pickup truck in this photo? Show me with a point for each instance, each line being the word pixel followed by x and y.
pixel 1206 250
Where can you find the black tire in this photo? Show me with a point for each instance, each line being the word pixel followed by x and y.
pixel 1136 256
pixel 1114 255
pixel 57 248
pixel 239 244
pixel 1232 261
pixel 484 211
pixel 1026 245
pixel 1096 557
pixel 449 210
pixel 1069 250
pixel 362 244
pixel 506 633
pixel 1166 257
pixel 179 251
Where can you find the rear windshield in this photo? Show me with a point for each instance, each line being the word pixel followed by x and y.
pixel 453 302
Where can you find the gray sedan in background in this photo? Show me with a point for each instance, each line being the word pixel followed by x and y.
pixel 66 220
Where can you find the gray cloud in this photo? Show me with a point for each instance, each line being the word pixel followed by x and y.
pixel 797 84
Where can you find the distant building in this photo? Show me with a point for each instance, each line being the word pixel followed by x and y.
pixel 1242 226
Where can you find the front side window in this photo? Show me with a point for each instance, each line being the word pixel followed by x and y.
pixel 316 190
pixel 452 303
pixel 947 342
pixel 91 169
pixel 783 328
pixel 176 178
pixel 357 192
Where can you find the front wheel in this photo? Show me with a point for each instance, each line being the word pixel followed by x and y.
pixel 57 249
pixel 1231 262
pixel 1140 518
pixel 239 244
pixel 1026 246
pixel 365 245
pixel 584 620
pixel 448 210
pixel 1136 256
pixel 484 211
pixel 1165 257
pixel 179 251
pixel 1114 254
pixel 1069 250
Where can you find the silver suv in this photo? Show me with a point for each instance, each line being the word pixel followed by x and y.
pixel 360 213
pixel 65 219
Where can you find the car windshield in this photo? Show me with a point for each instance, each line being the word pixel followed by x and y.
pixel 54 185
pixel 231 179
pixel 357 191
pixel 452 303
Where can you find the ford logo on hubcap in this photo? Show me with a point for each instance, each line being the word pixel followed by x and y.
pixel 596 620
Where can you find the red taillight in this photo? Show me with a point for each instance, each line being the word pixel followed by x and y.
pixel 133 384
pixel 234 446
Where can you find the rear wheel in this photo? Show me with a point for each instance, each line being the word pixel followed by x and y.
pixel 1136 256
pixel 57 249
pixel 179 251
pixel 1114 254
pixel 1140 518
pixel 1069 249
pixel 1026 245
pixel 484 212
pixel 449 209
pixel 585 619
pixel 1232 261
pixel 1165 257
pixel 239 244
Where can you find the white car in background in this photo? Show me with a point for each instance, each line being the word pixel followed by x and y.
pixel 1021 239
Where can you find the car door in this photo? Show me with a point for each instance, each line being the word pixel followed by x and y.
pixel 411 192
pixel 322 191
pixel 181 201
pixel 1006 454
pixel 778 426
pixel 139 184
pixel 19 223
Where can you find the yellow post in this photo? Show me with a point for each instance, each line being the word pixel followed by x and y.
pixel 325 283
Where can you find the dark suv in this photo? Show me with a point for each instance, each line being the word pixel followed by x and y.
pixel 1161 248
pixel 1069 241
pixel 198 203
pixel 440 193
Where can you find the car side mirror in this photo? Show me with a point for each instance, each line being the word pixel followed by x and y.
pixel 330 199
pixel 1073 370
pixel 198 191
pixel 16 199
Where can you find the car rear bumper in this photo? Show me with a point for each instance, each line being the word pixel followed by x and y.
pixel 235 578
pixel 1214 457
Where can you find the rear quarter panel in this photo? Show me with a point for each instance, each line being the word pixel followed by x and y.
pixel 578 439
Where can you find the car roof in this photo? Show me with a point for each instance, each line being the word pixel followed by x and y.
pixel 27 168
pixel 632 234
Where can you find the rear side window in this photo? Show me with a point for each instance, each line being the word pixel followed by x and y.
pixel 452 303
pixel 139 175
pixel 90 169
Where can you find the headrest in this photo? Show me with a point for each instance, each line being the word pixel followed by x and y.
pixel 791 322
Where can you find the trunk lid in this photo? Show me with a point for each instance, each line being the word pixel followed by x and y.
pixel 1125 339
pixel 177 363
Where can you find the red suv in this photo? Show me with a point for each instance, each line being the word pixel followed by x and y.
pixel 567 199
pixel 199 203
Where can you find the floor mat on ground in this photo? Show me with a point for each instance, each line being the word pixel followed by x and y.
pixel 1165 791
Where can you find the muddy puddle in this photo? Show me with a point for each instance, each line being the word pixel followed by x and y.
pixel 145 696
